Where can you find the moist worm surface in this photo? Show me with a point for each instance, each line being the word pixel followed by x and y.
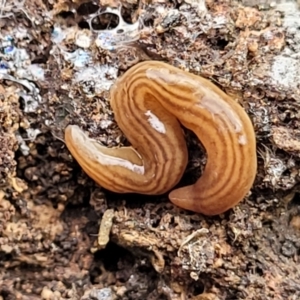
pixel 149 102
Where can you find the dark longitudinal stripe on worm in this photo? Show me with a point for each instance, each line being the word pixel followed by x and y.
pixel 152 139
pixel 156 137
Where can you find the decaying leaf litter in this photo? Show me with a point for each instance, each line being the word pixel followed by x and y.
pixel 58 62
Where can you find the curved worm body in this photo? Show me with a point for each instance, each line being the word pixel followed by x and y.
pixel 148 101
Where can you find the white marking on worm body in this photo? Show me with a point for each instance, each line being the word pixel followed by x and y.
pixel 155 122
pixel 242 140
pixel 108 160
pixel 90 150
pixel 211 102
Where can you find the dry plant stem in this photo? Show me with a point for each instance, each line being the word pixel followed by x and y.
pixel 148 101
